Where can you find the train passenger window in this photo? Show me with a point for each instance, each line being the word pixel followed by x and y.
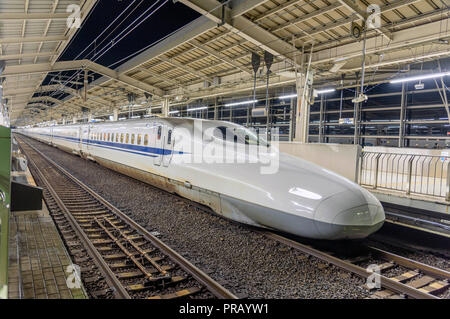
pixel 159 132
pixel 104 136
pixel 117 137
pixel 169 137
pixel 132 138
pixel 127 138
pixel 146 139
pixel 139 139
pixel 109 137
pixel 121 138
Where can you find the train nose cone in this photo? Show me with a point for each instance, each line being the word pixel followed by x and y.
pixel 350 214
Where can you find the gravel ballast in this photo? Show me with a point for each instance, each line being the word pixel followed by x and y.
pixel 247 263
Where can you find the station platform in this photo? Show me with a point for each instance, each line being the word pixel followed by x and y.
pixel 38 259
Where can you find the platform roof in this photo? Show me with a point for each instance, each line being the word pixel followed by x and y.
pixel 211 56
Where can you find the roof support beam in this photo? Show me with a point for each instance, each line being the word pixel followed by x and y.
pixel 187 69
pixel 242 6
pixel 245 28
pixel 25 55
pixel 44 88
pixel 220 56
pixel 277 9
pixel 41 106
pixel 352 6
pixel 45 98
pixel 305 17
pixel 33 16
pixel 11 70
pixel 81 64
pixel 403 38
pixel 159 76
pixel 100 69
pixel 55 38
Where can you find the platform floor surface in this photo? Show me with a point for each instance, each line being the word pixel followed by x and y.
pixel 38 259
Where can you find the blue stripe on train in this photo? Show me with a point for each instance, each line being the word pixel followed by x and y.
pixel 129 148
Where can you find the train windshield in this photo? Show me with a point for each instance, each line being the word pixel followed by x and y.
pixel 240 135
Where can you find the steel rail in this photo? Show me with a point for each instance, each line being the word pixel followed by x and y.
pixel 213 286
pixel 361 272
pixel 409 263
pixel 118 289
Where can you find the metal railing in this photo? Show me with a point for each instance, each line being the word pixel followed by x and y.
pixel 410 173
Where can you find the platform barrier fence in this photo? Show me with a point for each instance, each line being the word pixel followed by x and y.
pixel 409 173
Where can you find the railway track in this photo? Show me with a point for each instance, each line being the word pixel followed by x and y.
pixel 399 277
pixel 117 257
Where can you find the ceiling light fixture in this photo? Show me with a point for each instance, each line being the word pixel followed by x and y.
pixel 289 96
pixel 197 108
pixel 420 77
pixel 241 103
pixel 325 91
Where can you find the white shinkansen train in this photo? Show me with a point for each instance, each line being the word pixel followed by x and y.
pixel 298 197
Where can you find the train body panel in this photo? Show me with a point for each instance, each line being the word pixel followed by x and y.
pixel 299 197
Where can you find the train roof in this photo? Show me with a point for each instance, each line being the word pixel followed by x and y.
pixel 169 120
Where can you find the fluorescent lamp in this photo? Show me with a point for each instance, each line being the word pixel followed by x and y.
pixel 174 112
pixel 420 77
pixel 287 96
pixel 325 91
pixel 241 103
pixel 197 108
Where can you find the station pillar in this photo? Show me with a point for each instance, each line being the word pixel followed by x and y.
pixel 165 107
pixel 115 115
pixel 304 87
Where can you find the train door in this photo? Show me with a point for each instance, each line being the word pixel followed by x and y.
pixel 168 146
pixel 84 138
pixel 158 132
pixel 80 136
pixel 89 137
pixel 51 136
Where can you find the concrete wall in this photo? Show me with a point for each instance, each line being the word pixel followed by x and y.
pixel 339 158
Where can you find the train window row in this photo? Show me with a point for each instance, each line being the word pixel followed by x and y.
pixel 137 139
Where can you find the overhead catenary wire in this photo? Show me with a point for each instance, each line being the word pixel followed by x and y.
pixel 105 49
pixel 78 72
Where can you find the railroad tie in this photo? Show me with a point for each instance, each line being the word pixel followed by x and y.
pixel 178 294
